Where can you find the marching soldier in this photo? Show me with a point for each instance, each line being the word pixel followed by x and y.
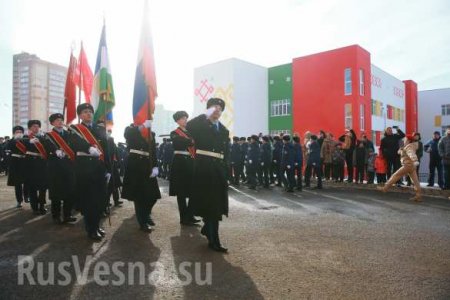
pixel 244 148
pixel 92 169
pixel 298 162
pixel 210 187
pixel 139 183
pixel 17 166
pixel 252 162
pixel 61 158
pixel 36 164
pixel 115 183
pixel 236 160
pixel 287 164
pixel 276 156
pixel 266 160
pixel 182 169
pixel 167 158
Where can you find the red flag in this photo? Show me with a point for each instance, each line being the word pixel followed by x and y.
pixel 83 75
pixel 70 93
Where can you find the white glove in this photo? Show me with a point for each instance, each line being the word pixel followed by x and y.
pixel 314 164
pixel 155 172
pixel 416 164
pixel 40 133
pixel 147 123
pixel 60 153
pixel 94 151
pixel 250 161
pixel 262 164
pixel 288 166
pixel 295 164
pixel 108 177
pixel 34 140
pixel 210 111
pixel 275 161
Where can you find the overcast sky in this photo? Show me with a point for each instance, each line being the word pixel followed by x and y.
pixel 409 39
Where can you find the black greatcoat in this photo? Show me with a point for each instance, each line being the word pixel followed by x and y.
pixel 17 166
pixel 210 186
pixel 61 171
pixel 36 175
pixel 182 169
pixel 137 183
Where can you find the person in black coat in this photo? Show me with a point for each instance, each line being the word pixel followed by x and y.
pixel 253 162
pixel 276 158
pixel 139 183
pixel 435 164
pixel 36 164
pixel 244 145
pixel 167 158
pixel 298 162
pixel 389 146
pixel 92 169
pixel 287 164
pixel 115 182
pixel 210 186
pixel 61 173
pixel 236 160
pixel 182 169
pixel 266 161
pixel 313 163
pixel 16 165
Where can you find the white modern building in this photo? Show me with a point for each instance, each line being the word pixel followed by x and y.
pixel 244 88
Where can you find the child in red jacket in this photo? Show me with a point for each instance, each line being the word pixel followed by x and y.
pixel 380 167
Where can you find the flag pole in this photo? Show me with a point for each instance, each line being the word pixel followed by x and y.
pixel 81 79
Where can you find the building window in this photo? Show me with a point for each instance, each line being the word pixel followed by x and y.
pixel 445 109
pixel 361 82
pixel 361 117
pixel 348 81
pixel 280 108
pixel 279 131
pixel 348 115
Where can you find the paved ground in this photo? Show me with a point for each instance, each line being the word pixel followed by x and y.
pixel 336 243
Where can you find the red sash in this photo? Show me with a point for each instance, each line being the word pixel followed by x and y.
pixel 181 133
pixel 40 147
pixel 87 134
pixel 21 147
pixel 62 144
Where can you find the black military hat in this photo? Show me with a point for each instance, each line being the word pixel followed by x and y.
pixel 265 138
pixel 180 114
pixel 242 138
pixel 235 138
pixel 84 106
pixel 254 137
pixel 18 127
pixel 53 117
pixel 276 138
pixel 286 137
pixel 32 122
pixel 216 101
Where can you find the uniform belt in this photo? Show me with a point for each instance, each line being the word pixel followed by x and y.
pixel 210 153
pixel 33 154
pixel 17 155
pixel 139 152
pixel 182 152
pixel 86 154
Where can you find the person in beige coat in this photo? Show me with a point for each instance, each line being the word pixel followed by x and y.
pixel 326 154
pixel 409 163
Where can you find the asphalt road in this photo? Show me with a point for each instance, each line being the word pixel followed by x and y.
pixel 328 244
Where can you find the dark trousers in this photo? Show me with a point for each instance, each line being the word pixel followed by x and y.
pixel 359 173
pixel 184 209
pixel 289 182
pixel 37 198
pixel 143 209
pixel 56 208
pixel 381 178
pixel 264 172
pixel 328 167
pixel 273 171
pixel 370 177
pixel 435 165
pixel 349 162
pixel 18 189
pixel 211 229
pixel 299 170
pixel 446 176
pixel 278 173
pixel 393 164
pixel 338 172
pixel 316 169
pixel 237 172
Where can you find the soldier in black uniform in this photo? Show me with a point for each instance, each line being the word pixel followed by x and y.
pixel 61 173
pixel 236 160
pixel 16 166
pixel 139 183
pixel 182 169
pixel 276 158
pixel 252 162
pixel 115 183
pixel 265 161
pixel 36 164
pixel 92 169
pixel 210 186
pixel 288 163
